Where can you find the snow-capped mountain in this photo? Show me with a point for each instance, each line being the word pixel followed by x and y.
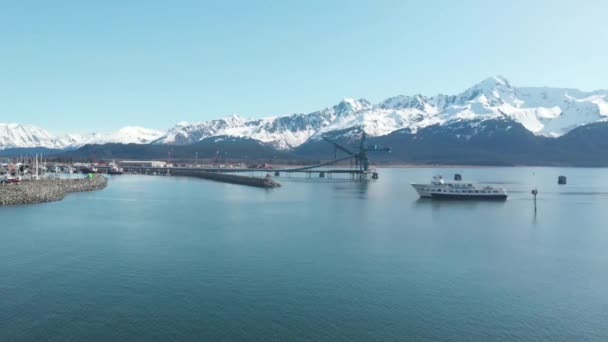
pixel 23 136
pixel 550 112
pixel 14 135
pixel 282 132
pixel 543 111
pixel 126 135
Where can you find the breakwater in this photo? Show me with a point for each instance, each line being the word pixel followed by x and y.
pixel 47 190
pixel 260 182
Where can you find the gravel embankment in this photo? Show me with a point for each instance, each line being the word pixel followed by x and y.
pixel 47 190
pixel 260 182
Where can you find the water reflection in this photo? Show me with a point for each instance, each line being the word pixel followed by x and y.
pixel 362 188
pixel 359 189
pixel 455 203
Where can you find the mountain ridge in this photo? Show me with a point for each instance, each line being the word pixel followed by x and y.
pixel 543 111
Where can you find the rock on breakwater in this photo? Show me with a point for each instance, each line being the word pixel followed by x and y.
pixel 47 190
pixel 260 182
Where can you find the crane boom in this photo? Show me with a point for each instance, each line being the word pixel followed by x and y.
pixel 340 147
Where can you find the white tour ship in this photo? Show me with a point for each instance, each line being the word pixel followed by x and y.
pixel 440 189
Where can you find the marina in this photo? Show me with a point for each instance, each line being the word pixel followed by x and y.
pixel 262 175
pixel 360 169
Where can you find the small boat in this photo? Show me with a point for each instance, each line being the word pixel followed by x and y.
pixel 114 169
pixel 440 189
pixel 87 170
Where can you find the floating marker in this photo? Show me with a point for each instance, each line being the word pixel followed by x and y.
pixel 534 193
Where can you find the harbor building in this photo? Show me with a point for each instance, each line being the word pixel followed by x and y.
pixel 142 163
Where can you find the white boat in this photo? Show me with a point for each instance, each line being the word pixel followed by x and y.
pixel 114 169
pixel 440 189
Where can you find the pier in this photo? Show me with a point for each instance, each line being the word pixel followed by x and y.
pixel 359 169
pixel 260 182
pixel 360 172
pixel 308 170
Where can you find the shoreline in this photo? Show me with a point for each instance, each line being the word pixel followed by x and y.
pixel 47 190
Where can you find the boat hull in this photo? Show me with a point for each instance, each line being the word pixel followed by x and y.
pixel 486 197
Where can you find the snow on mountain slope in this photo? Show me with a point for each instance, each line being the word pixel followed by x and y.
pixel 22 136
pixel 543 111
pixel 14 135
pixel 281 132
pixel 559 110
pixel 126 135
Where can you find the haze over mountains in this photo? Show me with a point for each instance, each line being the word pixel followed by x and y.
pixel 489 109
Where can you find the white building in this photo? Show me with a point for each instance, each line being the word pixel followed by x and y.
pixel 142 163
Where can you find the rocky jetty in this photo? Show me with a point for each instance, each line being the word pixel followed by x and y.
pixel 47 190
pixel 260 182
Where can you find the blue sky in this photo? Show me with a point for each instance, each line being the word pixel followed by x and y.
pixel 78 66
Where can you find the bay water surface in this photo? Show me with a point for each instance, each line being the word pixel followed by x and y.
pixel 180 259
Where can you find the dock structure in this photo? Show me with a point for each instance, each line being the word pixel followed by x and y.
pixel 360 172
pixel 310 171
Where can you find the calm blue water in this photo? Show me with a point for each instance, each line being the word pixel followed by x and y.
pixel 177 259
